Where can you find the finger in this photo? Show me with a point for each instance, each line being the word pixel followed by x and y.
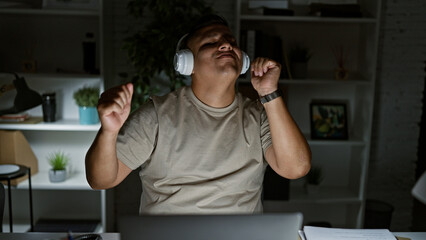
pixel 256 69
pixel 124 95
pixel 128 89
pixel 114 95
pixel 107 109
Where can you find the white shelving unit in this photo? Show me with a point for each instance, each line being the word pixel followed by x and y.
pixel 53 37
pixel 341 198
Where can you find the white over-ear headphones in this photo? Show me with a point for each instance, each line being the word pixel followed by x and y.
pixel 184 60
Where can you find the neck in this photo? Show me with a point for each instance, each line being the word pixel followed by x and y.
pixel 217 95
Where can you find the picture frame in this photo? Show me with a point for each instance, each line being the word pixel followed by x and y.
pixel 328 120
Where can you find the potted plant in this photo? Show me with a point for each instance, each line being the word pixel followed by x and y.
pixel 313 180
pixel 299 58
pixel 151 49
pixel 58 161
pixel 87 99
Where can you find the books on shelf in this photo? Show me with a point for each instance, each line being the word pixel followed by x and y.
pixel 270 7
pixel 19 117
pixel 260 44
pixel 335 10
pixel 323 233
pixel 276 4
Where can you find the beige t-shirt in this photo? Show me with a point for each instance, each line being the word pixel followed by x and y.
pixel 195 158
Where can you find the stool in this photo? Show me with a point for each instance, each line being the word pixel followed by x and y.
pixel 22 171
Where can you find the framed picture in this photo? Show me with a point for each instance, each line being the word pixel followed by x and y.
pixel 328 120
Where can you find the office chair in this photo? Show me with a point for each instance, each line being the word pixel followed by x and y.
pixel 2 200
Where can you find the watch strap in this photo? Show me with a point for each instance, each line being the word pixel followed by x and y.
pixel 271 96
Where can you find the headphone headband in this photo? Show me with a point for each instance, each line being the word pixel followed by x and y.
pixel 178 46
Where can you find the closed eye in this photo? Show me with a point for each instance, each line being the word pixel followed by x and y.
pixel 209 43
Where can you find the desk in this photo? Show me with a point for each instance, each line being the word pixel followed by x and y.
pixel 411 235
pixel 50 236
pixel 116 236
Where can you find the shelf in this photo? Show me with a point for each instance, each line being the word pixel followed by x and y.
pixel 310 19
pixel 61 12
pixel 40 181
pixel 59 125
pixel 19 226
pixel 325 195
pixel 53 76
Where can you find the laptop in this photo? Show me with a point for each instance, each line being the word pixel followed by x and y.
pixel 271 226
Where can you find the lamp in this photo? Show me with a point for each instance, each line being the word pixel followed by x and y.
pixel 25 98
pixel 419 189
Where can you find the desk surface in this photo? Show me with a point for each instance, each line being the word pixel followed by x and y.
pixel 116 236
pixel 50 236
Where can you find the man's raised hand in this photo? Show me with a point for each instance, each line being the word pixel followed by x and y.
pixel 114 107
pixel 265 74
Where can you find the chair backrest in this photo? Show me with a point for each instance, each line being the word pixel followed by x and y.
pixel 2 200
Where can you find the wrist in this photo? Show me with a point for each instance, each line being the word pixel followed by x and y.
pixel 108 134
pixel 265 92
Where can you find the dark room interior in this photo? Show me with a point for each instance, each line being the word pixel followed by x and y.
pixel 362 60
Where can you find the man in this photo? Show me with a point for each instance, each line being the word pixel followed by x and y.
pixel 201 148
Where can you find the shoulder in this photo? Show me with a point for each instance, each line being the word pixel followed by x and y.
pixel 169 98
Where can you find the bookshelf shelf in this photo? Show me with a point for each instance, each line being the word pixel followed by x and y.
pixel 310 19
pixel 329 41
pixel 40 181
pixel 60 12
pixel 52 38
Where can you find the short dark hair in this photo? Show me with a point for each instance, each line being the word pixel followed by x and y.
pixel 202 22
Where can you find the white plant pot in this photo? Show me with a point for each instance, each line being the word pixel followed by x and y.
pixel 57 175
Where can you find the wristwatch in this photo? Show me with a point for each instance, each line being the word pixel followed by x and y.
pixel 271 96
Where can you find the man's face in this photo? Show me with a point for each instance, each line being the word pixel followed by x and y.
pixel 215 52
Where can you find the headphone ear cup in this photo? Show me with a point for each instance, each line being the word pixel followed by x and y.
pixel 246 62
pixel 184 62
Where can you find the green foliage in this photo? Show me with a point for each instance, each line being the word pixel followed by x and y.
pixel 151 49
pixel 314 176
pixel 300 54
pixel 58 160
pixel 87 96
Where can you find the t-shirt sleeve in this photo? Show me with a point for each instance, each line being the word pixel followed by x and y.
pixel 137 138
pixel 265 133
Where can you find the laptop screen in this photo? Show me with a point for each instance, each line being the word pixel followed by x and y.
pixel 282 226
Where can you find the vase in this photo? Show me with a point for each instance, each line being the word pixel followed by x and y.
pixel 88 115
pixel 341 73
pixel 57 175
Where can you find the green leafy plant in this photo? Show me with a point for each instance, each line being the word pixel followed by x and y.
pixel 87 96
pixel 315 175
pixel 58 160
pixel 151 49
